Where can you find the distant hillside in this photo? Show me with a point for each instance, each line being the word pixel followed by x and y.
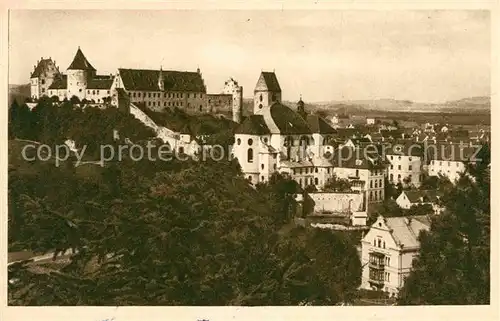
pixel 19 93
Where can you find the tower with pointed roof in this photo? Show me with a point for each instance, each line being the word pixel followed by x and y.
pixel 301 109
pixel 43 75
pixel 79 72
pixel 267 91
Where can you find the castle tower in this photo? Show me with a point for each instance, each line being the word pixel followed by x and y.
pixel 267 91
pixel 79 73
pixel 42 77
pixel 231 87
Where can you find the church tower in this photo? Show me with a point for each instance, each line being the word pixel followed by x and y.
pixel 161 81
pixel 79 73
pixel 301 108
pixel 267 91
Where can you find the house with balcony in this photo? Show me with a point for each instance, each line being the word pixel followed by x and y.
pixel 388 250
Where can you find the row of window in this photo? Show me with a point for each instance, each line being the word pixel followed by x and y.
pixel 376 196
pixel 399 158
pixel 94 92
pixel 441 163
pixel 399 167
pixel 165 95
pixel 306 170
pixel 377 172
pixel 377 183
pixel 308 181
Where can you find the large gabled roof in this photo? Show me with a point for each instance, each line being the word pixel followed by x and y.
pixel 288 121
pixel 319 125
pixel 253 125
pixel 426 196
pixel 268 82
pixel 147 80
pixel 80 62
pixel 405 230
pixel 42 66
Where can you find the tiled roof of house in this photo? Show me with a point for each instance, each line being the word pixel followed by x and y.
pixel 253 125
pixel 60 82
pixel 41 67
pixel 270 82
pixel 451 152
pixel 319 125
pixel 348 157
pixel 100 83
pixel 406 148
pixel 147 80
pixel 405 230
pixel 419 196
pixel 80 62
pixel 287 120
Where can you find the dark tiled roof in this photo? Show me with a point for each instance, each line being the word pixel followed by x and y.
pixel 406 148
pixel 270 81
pixel 41 67
pixel 100 83
pixel 319 125
pixel 80 62
pixel 391 133
pixel 253 125
pixel 450 152
pixel 348 157
pixel 346 132
pixel 417 196
pixel 147 80
pixel 60 82
pixel 288 121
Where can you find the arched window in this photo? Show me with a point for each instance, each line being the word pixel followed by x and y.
pixel 250 155
pixel 238 141
pixel 250 142
pixel 376 184
pixel 262 178
pixel 261 98
pixel 262 166
pixel 371 184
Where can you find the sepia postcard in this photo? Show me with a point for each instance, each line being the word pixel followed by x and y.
pixel 265 161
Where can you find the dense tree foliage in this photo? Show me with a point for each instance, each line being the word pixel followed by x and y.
pixel 335 184
pixel 160 232
pixel 91 127
pixel 453 265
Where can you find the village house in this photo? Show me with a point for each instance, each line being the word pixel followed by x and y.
pixel 405 164
pixel 410 198
pixel 388 250
pixel 449 160
pixel 364 169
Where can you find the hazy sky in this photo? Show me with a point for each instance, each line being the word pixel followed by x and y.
pixel 426 56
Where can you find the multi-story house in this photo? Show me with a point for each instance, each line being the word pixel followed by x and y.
pixel 449 160
pixel 43 75
pixel 388 250
pixel 405 164
pixel 365 170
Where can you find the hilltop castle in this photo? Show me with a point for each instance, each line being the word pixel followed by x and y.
pixel 154 89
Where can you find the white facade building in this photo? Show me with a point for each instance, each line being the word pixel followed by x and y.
pixel 388 250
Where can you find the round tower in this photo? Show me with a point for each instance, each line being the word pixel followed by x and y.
pixel 79 73
pixel 238 104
